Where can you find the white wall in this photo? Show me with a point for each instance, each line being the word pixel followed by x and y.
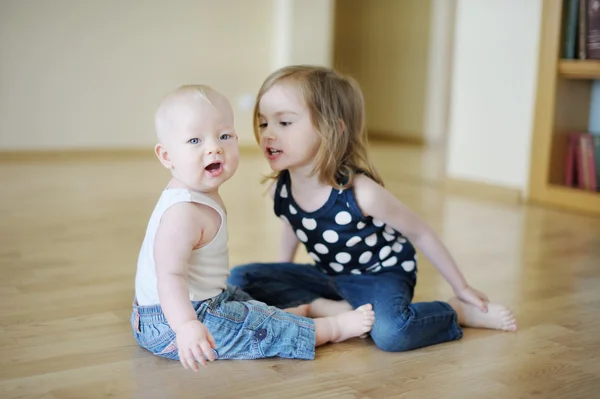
pixel 89 74
pixel 493 91
pixel 303 32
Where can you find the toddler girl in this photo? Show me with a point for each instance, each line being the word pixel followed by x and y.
pixel 310 124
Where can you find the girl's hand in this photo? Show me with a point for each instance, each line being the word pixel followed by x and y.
pixel 194 342
pixel 472 296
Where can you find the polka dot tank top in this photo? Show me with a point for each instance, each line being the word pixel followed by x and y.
pixel 339 238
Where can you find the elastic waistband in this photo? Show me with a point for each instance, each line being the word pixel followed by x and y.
pixel 154 313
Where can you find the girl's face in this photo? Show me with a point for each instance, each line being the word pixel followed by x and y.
pixel 288 138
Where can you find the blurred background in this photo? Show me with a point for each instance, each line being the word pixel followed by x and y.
pixel 459 76
pixel 478 112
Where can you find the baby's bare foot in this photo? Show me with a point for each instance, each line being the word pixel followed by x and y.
pixel 322 307
pixel 302 310
pixel 498 317
pixel 354 323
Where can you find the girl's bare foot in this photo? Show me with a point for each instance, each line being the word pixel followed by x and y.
pixel 322 307
pixel 302 310
pixel 346 325
pixel 498 317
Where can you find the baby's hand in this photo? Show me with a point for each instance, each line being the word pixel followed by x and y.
pixel 194 341
pixel 474 297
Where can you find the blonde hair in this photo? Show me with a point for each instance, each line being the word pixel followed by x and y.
pixel 336 106
pixel 167 109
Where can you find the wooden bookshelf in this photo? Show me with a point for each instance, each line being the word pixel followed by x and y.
pixel 579 69
pixel 562 106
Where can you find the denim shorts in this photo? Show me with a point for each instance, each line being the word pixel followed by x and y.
pixel 242 328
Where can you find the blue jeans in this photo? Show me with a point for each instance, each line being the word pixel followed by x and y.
pixel 242 328
pixel 399 324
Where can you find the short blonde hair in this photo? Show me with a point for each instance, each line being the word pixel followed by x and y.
pixel 196 92
pixel 336 106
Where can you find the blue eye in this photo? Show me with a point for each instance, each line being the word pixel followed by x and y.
pixel 193 141
pixel 225 136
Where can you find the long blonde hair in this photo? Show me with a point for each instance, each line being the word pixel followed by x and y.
pixel 336 107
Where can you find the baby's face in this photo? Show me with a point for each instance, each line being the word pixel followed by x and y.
pixel 202 144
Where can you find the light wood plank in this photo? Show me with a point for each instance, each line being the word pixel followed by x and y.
pixel 579 69
pixel 70 235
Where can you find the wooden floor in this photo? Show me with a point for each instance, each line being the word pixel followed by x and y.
pixel 69 236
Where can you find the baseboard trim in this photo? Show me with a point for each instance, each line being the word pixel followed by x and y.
pixel 96 154
pixel 387 137
pixel 74 154
pixel 483 191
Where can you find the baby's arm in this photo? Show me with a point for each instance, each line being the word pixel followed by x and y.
pixel 289 242
pixel 179 232
pixel 376 201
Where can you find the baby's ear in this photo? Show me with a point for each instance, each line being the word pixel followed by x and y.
pixel 163 155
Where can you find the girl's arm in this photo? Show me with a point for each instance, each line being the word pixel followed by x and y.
pixel 376 201
pixel 289 242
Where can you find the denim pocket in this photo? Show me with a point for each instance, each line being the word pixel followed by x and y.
pixel 159 339
pixel 236 312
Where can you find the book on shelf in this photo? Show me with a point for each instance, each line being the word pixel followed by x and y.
pixel 581 29
pixel 582 167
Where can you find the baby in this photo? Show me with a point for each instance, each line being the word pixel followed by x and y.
pixel 183 308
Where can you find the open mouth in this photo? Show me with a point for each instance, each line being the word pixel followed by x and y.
pixel 214 169
pixel 273 153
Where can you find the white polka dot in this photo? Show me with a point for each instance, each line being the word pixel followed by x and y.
pixel 415 257
pixel 336 267
pixel 343 217
pixel 377 222
pixel 309 224
pixel 388 237
pixel 374 268
pixel 322 249
pixel 397 247
pixel 355 271
pixel 353 241
pixel 389 230
pixel 401 240
pixel 301 235
pixel 343 257
pixel 293 210
pixel 331 236
pixel 285 219
pixel 408 265
pixel 365 257
pixel 371 240
pixel 347 205
pixel 314 256
pixel 390 262
pixel 384 252
pixel 374 265
pixel 360 225
pixel 283 192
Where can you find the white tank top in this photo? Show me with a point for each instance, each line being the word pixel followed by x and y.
pixel 209 265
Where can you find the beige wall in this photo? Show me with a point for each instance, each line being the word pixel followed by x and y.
pixel 312 32
pixel 81 74
pixel 384 44
pixel 494 82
